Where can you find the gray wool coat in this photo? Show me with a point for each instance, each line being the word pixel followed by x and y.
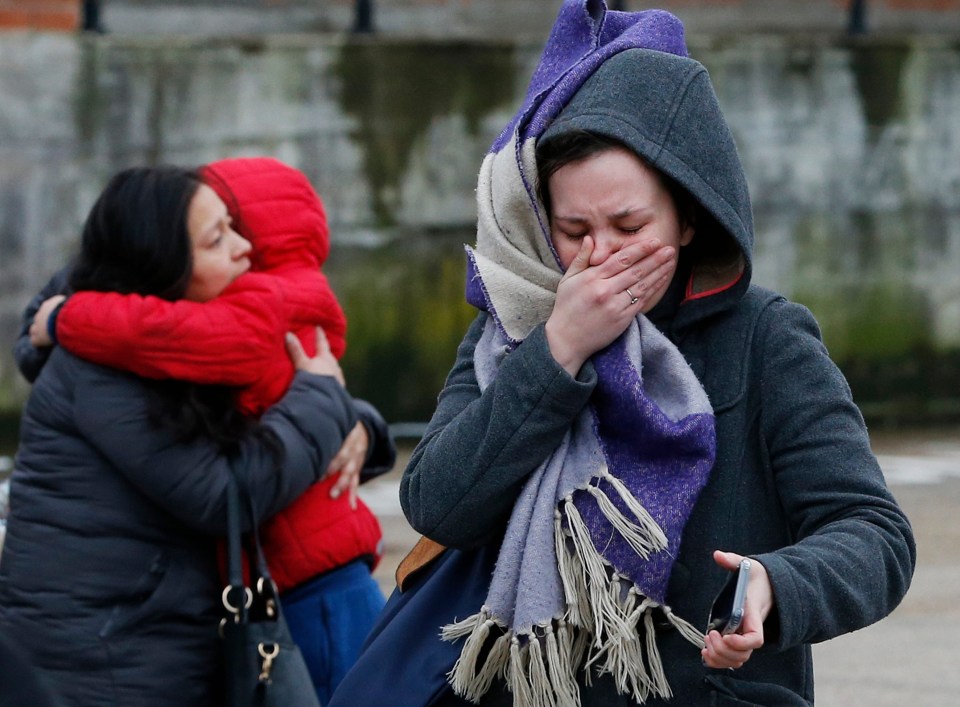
pixel 109 578
pixel 795 484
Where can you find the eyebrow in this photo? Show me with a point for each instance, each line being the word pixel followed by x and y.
pixel 637 211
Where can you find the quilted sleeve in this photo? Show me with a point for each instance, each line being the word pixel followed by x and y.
pixel 189 479
pixel 30 360
pixel 230 340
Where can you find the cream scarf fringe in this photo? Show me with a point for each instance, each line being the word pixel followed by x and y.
pixel 608 624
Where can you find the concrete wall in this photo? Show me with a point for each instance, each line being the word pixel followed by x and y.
pixel 516 19
pixel 851 150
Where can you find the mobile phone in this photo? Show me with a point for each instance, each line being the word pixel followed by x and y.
pixel 727 612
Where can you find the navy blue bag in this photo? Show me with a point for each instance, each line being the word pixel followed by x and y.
pixel 404 663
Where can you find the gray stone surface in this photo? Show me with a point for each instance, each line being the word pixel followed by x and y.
pixel 850 148
pixel 516 19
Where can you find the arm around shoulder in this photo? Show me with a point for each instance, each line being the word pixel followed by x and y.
pixel 189 479
pixel 229 340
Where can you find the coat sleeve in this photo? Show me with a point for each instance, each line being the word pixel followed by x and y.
pixel 189 479
pixel 226 341
pixel 30 360
pixel 465 474
pixel 853 554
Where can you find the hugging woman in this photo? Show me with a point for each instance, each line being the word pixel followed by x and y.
pixel 110 569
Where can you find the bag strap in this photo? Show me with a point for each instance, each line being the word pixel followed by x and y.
pixel 418 559
pixel 237 596
pixel 262 595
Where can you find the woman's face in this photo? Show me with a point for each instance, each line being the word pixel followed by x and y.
pixel 615 198
pixel 219 253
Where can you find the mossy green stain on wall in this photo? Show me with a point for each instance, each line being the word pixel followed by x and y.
pixel 877 70
pixel 406 315
pixel 394 91
pixel 870 321
pixel 877 325
pixel 9 431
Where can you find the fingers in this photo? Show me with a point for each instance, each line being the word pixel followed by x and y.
pixel 324 351
pixel 39 332
pixel 727 560
pixel 39 337
pixel 628 257
pixel 323 345
pixel 324 363
pixel 582 260
pixel 735 649
pixel 348 463
pixel 647 273
pixel 348 482
pixel 295 350
pixel 730 651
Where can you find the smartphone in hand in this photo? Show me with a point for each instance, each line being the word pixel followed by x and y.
pixel 726 615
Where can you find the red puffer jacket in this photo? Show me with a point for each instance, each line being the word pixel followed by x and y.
pixel 237 339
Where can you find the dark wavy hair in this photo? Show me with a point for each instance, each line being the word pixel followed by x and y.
pixel 136 241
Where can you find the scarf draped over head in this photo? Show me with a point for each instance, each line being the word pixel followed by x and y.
pixel 583 570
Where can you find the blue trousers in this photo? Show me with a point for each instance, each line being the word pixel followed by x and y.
pixel 329 618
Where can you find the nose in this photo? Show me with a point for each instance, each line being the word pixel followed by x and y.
pixel 606 242
pixel 242 246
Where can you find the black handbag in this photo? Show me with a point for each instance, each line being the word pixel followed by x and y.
pixel 263 666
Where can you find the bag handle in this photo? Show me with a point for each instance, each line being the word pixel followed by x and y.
pixel 260 597
pixel 237 597
pixel 418 559
pixel 266 594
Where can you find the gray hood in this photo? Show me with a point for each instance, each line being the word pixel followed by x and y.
pixel 664 107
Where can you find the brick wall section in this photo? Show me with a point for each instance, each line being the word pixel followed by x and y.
pixel 945 5
pixel 901 5
pixel 56 15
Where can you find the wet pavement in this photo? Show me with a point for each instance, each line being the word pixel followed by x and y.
pixel 910 658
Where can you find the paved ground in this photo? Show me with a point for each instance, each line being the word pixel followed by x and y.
pixel 911 657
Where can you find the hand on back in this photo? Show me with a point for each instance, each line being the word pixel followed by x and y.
pixel 323 363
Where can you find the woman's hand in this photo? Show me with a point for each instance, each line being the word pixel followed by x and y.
pixel 348 463
pixel 593 307
pixel 39 333
pixel 324 363
pixel 735 649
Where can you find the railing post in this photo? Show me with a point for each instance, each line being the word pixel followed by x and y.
pixel 363 17
pixel 858 18
pixel 90 22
